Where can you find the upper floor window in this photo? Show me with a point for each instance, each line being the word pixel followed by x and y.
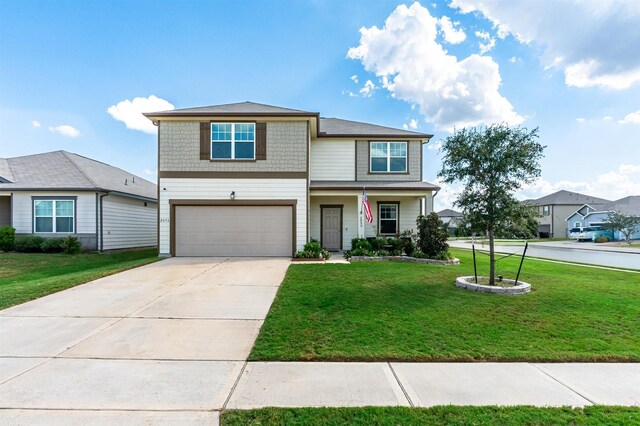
pixel 388 157
pixel 233 141
pixel 53 215
pixel 545 211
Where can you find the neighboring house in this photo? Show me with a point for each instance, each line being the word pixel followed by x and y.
pixel 249 179
pixel 553 210
pixel 56 194
pixel 588 215
pixel 451 218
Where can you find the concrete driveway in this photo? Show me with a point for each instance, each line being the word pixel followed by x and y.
pixel 163 343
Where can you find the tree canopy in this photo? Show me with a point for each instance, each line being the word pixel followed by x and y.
pixel 491 163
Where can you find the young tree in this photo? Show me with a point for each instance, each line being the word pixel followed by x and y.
pixel 492 163
pixel 626 224
pixel 432 238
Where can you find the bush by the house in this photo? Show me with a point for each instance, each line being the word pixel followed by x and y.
pixel 432 239
pixel 312 250
pixel 71 245
pixel 52 245
pixel 602 239
pixel 29 244
pixel 7 238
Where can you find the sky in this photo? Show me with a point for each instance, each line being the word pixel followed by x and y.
pixel 76 75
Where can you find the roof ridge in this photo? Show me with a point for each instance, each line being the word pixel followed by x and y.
pixel 108 165
pixel 64 153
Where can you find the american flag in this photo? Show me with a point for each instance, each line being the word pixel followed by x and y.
pixel 367 208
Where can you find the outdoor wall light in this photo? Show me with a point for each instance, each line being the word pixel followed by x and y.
pixel 232 195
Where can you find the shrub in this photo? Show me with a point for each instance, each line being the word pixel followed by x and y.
pixel 312 250
pixel 7 238
pixel 313 247
pixel 71 245
pixel 361 244
pixel 602 239
pixel 432 239
pixel 29 244
pixel 52 245
pixel 325 254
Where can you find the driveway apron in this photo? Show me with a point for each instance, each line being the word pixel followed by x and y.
pixel 165 342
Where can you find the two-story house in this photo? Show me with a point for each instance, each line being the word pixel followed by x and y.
pixel 249 179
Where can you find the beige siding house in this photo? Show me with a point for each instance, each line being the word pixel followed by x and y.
pixel 553 210
pixel 59 193
pixel 249 179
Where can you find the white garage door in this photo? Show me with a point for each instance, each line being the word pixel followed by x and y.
pixel 233 230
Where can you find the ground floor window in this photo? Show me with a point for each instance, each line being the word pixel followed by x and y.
pixel 388 218
pixel 53 216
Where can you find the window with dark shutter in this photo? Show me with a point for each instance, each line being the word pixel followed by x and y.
pixel 261 141
pixel 205 141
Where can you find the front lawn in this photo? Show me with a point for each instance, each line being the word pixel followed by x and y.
pixel 387 311
pixel 25 277
pixel 450 415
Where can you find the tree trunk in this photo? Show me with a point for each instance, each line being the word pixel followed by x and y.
pixel 492 258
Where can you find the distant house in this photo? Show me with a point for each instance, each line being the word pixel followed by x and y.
pixel 588 215
pixel 451 218
pixel 553 210
pixel 57 194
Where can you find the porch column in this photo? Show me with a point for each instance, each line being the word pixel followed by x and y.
pixel 360 217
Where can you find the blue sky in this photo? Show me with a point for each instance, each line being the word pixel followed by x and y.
pixel 572 69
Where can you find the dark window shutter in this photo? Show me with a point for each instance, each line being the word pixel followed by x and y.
pixel 261 141
pixel 205 141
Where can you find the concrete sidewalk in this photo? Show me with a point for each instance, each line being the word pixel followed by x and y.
pixel 298 384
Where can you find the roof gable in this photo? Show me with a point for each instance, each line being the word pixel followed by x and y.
pixel 337 127
pixel 238 108
pixel 568 197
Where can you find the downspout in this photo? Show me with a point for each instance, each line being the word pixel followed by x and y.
pixel 97 242
pixel 102 222
pixel 433 204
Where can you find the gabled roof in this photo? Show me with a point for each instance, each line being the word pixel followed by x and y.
pixel 336 127
pixel 67 171
pixel 239 108
pixel 627 205
pixel 449 213
pixel 567 197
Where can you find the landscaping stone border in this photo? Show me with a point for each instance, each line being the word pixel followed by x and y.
pixel 468 284
pixel 404 259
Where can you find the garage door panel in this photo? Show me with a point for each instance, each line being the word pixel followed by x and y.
pixel 233 230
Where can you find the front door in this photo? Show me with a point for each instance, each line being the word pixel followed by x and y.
pixel 332 228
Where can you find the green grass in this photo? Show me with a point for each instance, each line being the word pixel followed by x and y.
pixel 386 311
pixel 25 276
pixel 449 415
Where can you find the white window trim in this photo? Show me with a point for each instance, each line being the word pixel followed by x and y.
pixel 397 206
pixel 406 157
pixel 54 216
pixel 233 142
pixel 577 224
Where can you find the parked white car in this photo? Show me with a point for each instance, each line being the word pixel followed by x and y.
pixel 588 233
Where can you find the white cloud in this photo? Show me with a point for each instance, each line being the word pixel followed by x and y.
pixel 611 185
pixel 130 112
pixel 446 196
pixel 514 59
pixel 434 146
pixel 450 32
pixel 581 119
pixel 488 44
pixel 367 90
pixel 415 68
pixel 354 78
pixel 412 124
pixel 593 42
pixel 632 117
pixel 36 123
pixel 65 130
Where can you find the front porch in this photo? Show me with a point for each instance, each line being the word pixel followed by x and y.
pixel 336 216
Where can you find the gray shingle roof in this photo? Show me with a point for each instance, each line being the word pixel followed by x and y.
pixel 241 108
pixel 567 197
pixel 338 127
pixel 340 184
pixel 627 205
pixel 65 170
pixel 449 213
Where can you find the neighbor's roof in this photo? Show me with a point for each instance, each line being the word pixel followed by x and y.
pixel 67 171
pixel 336 127
pixel 449 213
pixel 627 205
pixel 566 197
pixel 239 108
pixel 339 185
pixel 327 127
